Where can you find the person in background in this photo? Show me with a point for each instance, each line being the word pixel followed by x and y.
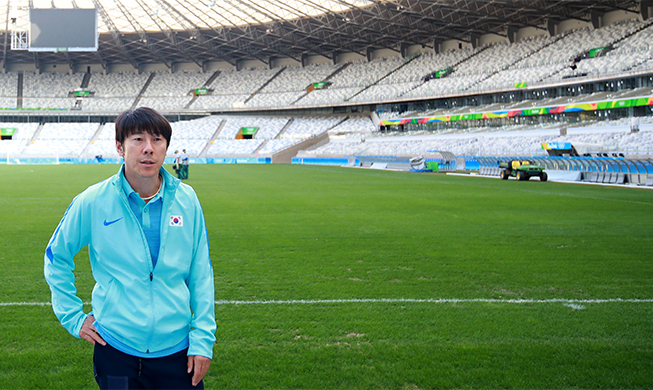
pixel 153 316
pixel 184 165
pixel 177 165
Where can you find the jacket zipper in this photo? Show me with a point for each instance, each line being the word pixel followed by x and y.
pixel 151 269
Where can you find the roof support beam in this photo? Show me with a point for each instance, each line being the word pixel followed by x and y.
pixel 145 39
pixel 475 40
pixel 169 32
pixel 645 7
pixel 596 18
pixel 228 47
pixel 101 60
pixel 511 32
pixel 115 34
pixel 193 32
pixel 203 37
pixel 437 46
pixel 71 64
pixel 37 62
pixel 233 31
pixel 6 43
pixel 551 25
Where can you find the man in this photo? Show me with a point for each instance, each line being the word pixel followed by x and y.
pixel 175 166
pixel 153 318
pixel 184 165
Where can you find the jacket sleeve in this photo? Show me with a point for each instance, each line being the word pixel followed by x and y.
pixel 67 240
pixel 202 292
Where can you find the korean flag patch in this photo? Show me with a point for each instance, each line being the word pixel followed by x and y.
pixel 176 220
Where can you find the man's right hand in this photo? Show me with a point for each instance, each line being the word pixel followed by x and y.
pixel 89 333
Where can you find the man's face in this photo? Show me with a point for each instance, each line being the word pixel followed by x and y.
pixel 144 154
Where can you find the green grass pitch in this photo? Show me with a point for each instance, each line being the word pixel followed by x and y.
pixel 340 278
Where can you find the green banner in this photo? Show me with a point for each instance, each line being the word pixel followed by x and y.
pixel 580 107
pixel 7 131
pixel 597 51
pixel 535 111
pixel 442 73
pixel 82 92
pixel 201 91
pixel 249 130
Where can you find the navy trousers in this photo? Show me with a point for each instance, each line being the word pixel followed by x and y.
pixel 116 370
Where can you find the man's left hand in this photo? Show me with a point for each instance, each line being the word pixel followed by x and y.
pixel 199 366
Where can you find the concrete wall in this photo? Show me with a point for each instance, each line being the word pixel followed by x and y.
pixel 492 38
pixel 22 68
pixel 571 24
pixel 125 68
pixel 384 53
pixel 281 62
pixel 528 32
pixel 251 64
pixel 185 67
pixel 317 60
pixel 56 68
pixel 416 49
pixel 618 16
pixel 145 68
pixel 83 68
pixel 350 57
pixel 454 44
pixel 212 66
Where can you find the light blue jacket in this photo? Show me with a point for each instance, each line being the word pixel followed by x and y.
pixel 148 309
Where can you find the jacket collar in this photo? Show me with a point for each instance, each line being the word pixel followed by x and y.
pixel 171 182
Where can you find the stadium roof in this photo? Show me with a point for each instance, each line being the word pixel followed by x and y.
pixel 171 31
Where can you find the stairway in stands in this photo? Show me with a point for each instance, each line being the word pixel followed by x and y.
pixel 207 84
pixel 142 91
pixel 411 59
pixel 329 77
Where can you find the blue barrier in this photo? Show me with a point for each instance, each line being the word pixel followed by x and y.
pixel 115 160
pixel 574 164
pixel 322 161
pixel 57 161
pixel 613 165
pixel 235 160
pixel 472 165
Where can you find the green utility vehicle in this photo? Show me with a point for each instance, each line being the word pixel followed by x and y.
pixel 522 170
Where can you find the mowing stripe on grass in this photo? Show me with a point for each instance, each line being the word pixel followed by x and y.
pixel 17 199
pixel 442 300
pixel 391 300
pixel 542 190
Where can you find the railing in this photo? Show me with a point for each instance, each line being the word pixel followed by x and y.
pixel 577 164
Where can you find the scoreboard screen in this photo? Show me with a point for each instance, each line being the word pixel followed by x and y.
pixel 58 29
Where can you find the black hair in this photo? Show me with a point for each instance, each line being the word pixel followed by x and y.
pixel 142 119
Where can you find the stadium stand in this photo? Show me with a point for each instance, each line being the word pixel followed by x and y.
pixel 534 60
pixel 234 147
pixel 62 139
pixel 356 126
pixel 484 69
pixel 306 127
pixel 165 84
pixel 503 142
pixel 24 134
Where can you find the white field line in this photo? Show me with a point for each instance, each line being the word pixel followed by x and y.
pixel 391 300
pixel 443 300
